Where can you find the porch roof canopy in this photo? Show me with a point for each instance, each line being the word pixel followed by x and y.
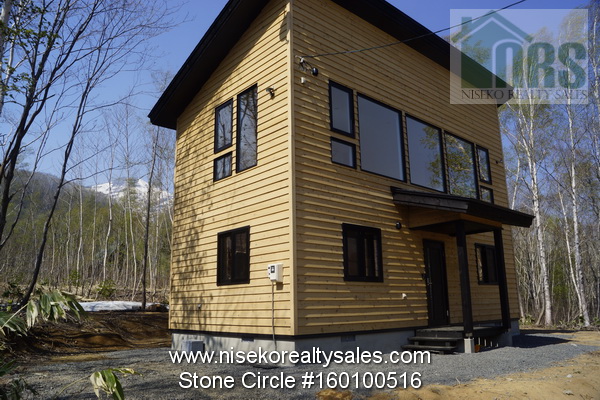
pixel 478 216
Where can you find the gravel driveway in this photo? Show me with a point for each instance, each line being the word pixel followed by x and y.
pixel 160 378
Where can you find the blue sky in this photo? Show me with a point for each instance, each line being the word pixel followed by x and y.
pixel 176 45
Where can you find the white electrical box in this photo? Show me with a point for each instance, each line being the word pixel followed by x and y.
pixel 275 272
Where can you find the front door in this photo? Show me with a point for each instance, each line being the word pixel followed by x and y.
pixel 435 277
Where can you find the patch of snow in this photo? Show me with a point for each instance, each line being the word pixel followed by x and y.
pixel 111 305
pixel 140 190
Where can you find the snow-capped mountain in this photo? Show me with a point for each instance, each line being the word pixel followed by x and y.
pixel 117 190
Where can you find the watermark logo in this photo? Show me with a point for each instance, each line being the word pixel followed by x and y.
pixel 528 56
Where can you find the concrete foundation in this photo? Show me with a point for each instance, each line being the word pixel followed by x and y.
pixel 384 342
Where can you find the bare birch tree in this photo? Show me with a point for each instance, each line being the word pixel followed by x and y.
pixel 75 46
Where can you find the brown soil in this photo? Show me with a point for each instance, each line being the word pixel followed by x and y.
pixel 99 332
pixel 577 377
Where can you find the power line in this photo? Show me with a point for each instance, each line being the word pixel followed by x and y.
pixel 409 39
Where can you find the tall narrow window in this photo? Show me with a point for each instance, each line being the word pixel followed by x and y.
pixel 425 155
pixel 341 109
pixel 233 257
pixel 223 126
pixel 483 156
pixel 362 253
pixel 486 263
pixel 462 178
pixel 380 133
pixel 247 119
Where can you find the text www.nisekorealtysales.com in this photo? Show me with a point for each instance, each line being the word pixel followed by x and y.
pixel 316 356
pixel 308 379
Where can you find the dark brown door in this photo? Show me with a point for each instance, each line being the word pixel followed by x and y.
pixel 437 287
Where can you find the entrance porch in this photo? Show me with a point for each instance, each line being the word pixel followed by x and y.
pixel 459 217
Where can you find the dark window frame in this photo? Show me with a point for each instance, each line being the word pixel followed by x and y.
pixel 350 92
pixel 216 161
pixel 402 137
pixel 238 159
pixel 483 273
pixel 490 190
pixel 475 164
pixel 483 179
pixel 347 144
pixel 228 103
pixel 362 233
pixel 442 155
pixel 221 281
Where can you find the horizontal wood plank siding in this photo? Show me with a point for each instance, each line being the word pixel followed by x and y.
pixel 258 197
pixel 328 194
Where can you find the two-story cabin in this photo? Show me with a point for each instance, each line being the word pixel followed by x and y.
pixel 384 204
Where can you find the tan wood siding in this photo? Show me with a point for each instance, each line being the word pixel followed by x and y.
pixel 258 197
pixel 328 194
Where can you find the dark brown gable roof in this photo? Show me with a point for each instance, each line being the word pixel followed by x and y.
pixel 237 16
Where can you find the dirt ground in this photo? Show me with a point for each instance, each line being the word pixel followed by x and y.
pixel 110 331
pixel 99 332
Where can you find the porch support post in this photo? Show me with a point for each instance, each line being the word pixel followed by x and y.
pixel 465 284
pixel 502 284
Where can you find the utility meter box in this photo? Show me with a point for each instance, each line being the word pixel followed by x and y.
pixel 275 272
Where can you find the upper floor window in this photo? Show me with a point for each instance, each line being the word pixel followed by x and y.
pixel 362 253
pixel 462 179
pixel 343 153
pixel 223 126
pixel 425 155
pixel 247 119
pixel 483 156
pixel 486 194
pixel 222 167
pixel 341 108
pixel 233 257
pixel 380 133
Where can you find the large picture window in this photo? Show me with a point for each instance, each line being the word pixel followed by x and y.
pixel 233 257
pixel 462 178
pixel 486 264
pixel 223 126
pixel 341 106
pixel 380 133
pixel 362 253
pixel 425 154
pixel 247 118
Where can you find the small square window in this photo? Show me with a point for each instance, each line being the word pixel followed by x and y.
pixel 362 253
pixel 486 264
pixel 223 126
pixel 483 158
pixel 233 257
pixel 341 107
pixel 343 153
pixel 222 167
pixel 487 194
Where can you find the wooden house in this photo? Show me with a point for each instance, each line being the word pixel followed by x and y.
pixel 382 206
